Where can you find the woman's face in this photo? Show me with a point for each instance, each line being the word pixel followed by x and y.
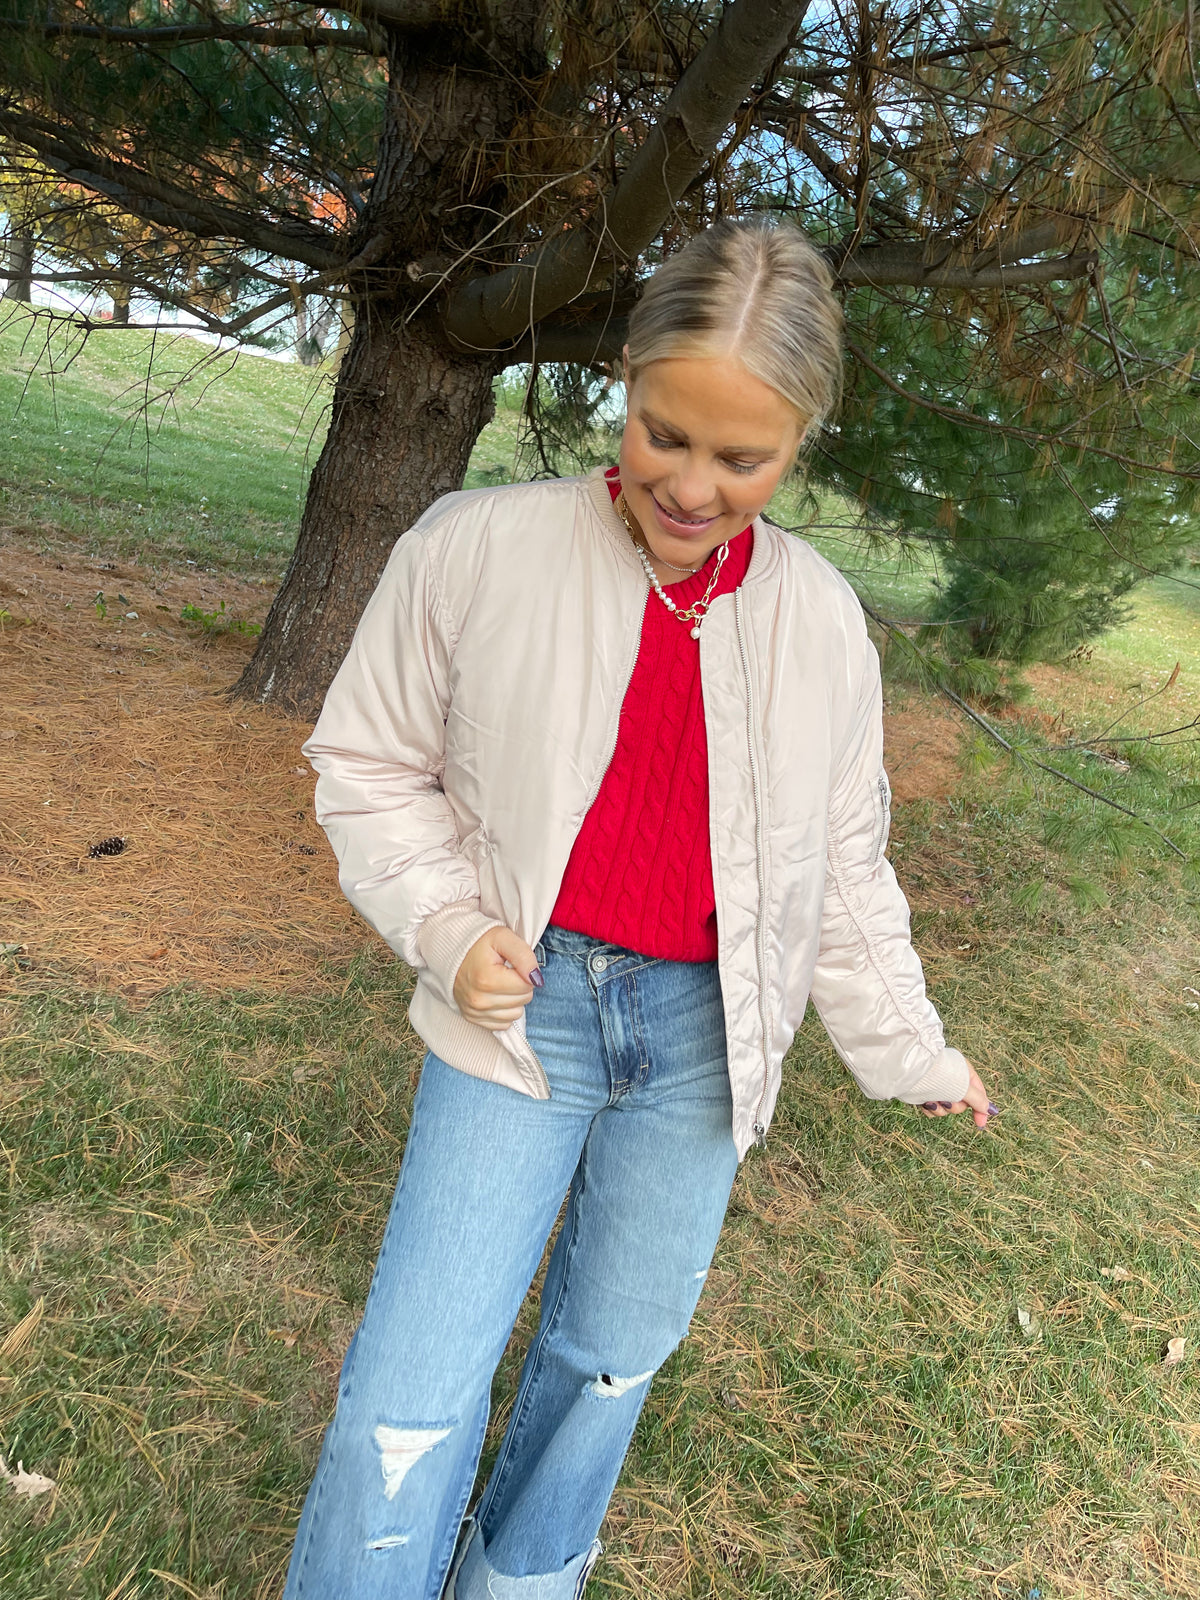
pixel 704 448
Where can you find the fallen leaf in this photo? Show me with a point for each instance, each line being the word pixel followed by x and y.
pixel 157 954
pixel 286 1336
pixel 26 1483
pixel 1028 1323
pixel 1117 1274
pixel 1173 1354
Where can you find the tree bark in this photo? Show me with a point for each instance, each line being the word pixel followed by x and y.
pixel 407 408
pixel 19 268
pixel 406 412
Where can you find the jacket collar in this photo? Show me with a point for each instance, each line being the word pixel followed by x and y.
pixel 763 560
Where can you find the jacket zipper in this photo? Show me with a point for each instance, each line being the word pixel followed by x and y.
pixel 760 931
pixel 884 799
pixel 616 727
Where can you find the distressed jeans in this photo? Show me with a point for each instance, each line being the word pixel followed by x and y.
pixel 638 1135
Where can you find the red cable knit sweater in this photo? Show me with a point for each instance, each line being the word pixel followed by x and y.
pixel 640 874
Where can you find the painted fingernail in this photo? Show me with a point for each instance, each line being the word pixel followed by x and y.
pixel 928 1105
pixel 536 979
pixel 993 1111
pixel 945 1104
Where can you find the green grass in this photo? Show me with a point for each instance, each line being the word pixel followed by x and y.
pixel 155 446
pixel 1165 629
pixel 192 1192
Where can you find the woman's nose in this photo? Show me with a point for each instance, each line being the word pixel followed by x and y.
pixel 693 487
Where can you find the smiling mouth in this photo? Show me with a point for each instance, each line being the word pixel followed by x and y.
pixel 678 517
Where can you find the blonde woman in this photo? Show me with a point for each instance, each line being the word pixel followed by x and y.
pixel 604 764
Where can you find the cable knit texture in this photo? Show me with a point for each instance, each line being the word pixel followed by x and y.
pixel 640 874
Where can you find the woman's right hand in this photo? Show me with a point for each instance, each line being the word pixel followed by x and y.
pixel 496 980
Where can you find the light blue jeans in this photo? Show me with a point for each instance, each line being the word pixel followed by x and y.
pixel 637 1133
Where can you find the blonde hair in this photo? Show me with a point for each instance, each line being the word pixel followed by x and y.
pixel 758 292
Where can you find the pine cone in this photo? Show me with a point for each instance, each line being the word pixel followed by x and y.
pixel 113 846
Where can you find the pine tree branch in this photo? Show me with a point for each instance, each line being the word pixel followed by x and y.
pixel 894 630
pixel 592 340
pixel 1056 772
pixel 910 266
pixel 416 16
pixel 311 38
pixel 487 313
pixel 585 342
pixel 225 327
pixel 1056 441
pixel 900 66
pixel 168 204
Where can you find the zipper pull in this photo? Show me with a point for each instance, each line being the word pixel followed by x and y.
pixel 760 1136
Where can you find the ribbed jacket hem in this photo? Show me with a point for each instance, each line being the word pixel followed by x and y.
pixel 472 1049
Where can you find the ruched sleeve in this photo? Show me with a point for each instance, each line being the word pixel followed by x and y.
pixel 868 987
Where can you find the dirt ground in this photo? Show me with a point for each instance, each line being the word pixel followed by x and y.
pixel 118 725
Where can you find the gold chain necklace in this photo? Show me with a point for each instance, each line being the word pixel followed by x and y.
pixel 695 613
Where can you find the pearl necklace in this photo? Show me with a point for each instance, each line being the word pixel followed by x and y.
pixel 698 610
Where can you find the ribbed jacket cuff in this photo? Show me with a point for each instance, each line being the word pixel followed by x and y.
pixel 946 1079
pixel 444 939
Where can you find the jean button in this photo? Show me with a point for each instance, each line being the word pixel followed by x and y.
pixel 599 963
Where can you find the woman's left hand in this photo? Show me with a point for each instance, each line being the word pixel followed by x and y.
pixel 975 1100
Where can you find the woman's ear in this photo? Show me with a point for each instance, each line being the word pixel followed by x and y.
pixel 625 379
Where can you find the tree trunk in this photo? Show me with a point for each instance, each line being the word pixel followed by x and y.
pixel 318 333
pixel 406 412
pixel 407 407
pixel 120 299
pixel 20 271
pixel 301 341
pixel 345 335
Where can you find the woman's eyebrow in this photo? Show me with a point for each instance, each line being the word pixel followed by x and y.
pixel 660 425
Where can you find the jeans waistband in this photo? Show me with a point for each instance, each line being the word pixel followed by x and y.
pixel 566 942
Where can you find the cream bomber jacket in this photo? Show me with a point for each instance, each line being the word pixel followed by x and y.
pixel 471 723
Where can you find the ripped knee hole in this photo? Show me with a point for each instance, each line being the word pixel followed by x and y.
pixel 610 1388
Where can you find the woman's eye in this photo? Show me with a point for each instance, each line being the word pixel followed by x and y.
pixel 744 466
pixel 663 444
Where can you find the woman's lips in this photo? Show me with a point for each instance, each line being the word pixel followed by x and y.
pixel 681 525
